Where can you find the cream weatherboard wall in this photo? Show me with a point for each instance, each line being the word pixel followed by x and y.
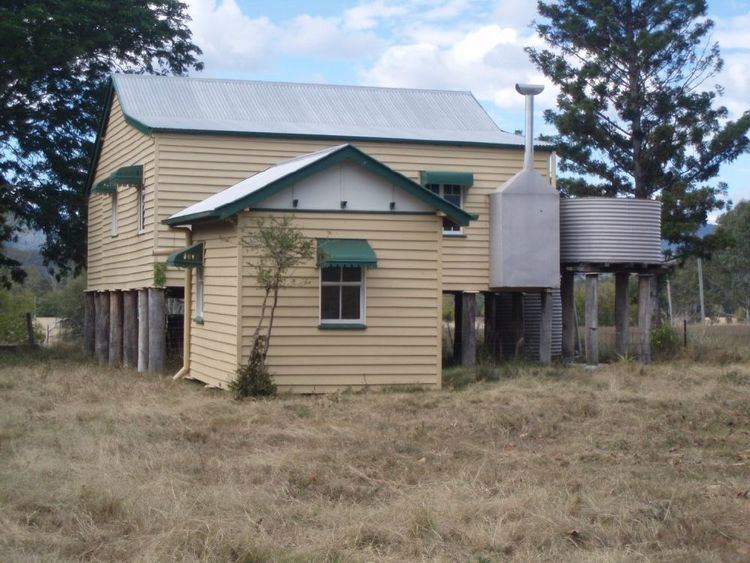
pixel 193 167
pixel 214 341
pixel 402 341
pixel 123 261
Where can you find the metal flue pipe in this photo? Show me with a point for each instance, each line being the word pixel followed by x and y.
pixel 529 90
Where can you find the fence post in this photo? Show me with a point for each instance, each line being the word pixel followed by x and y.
pixel 30 329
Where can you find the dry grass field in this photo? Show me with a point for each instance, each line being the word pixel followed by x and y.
pixel 621 463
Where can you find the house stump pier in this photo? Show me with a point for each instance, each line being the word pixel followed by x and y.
pixel 545 327
pixel 567 298
pixel 645 306
pixel 102 327
pixel 468 329
pixel 157 335
pixel 142 330
pixel 89 323
pixel 130 329
pixel 592 319
pixel 115 328
pixel 622 314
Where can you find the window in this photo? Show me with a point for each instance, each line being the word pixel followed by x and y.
pixel 342 295
pixel 141 194
pixel 114 214
pixel 454 194
pixel 199 293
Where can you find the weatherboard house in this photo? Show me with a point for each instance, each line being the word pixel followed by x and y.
pixel 398 186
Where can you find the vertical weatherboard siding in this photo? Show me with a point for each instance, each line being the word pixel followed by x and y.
pixel 213 344
pixel 124 261
pixel 193 167
pixel 401 344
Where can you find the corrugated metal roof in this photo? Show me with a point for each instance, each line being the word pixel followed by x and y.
pixel 320 110
pixel 254 183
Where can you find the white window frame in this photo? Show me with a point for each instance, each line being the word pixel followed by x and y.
pixel 362 298
pixel 141 209
pixel 113 218
pixel 200 292
pixel 441 193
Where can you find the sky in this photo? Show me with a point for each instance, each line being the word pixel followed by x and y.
pixel 475 45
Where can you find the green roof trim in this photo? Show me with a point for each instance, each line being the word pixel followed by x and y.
pixel 128 175
pixel 351 253
pixel 190 257
pixel 346 153
pixel 465 179
pixel 104 187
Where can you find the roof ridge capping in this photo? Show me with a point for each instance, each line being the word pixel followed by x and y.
pixel 128 75
pixel 256 188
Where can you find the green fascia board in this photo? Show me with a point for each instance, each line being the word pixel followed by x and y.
pixel 100 130
pixel 128 175
pixel 343 138
pixel 465 179
pixel 346 253
pixel 104 187
pixel 349 153
pixel 190 257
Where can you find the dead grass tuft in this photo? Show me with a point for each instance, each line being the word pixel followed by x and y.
pixel 523 462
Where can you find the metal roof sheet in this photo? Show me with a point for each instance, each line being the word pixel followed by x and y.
pixel 320 110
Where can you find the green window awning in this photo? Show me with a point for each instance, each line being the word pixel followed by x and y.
pixel 104 187
pixel 125 175
pixel 128 175
pixel 465 179
pixel 346 252
pixel 190 257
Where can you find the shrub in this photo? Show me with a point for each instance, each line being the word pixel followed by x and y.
pixel 665 341
pixel 253 379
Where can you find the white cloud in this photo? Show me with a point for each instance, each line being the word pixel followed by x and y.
pixel 370 14
pixel 230 40
pixel 235 42
pixel 732 35
pixel 486 59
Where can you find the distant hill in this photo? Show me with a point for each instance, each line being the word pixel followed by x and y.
pixel 27 250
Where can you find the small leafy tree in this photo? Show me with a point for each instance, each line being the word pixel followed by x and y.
pixel 635 114
pixel 277 247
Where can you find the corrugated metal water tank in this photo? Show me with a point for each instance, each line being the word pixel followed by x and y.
pixel 610 230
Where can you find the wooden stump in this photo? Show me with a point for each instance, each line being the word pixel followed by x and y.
pixel 157 332
pixel 102 327
pixel 492 340
pixel 89 323
pixel 142 330
pixel 457 326
pixel 567 299
pixel 622 314
pixel 130 329
pixel 592 320
pixel 644 316
pixel 115 328
pixel 468 329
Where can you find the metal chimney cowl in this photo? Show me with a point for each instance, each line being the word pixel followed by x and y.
pixel 525 223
